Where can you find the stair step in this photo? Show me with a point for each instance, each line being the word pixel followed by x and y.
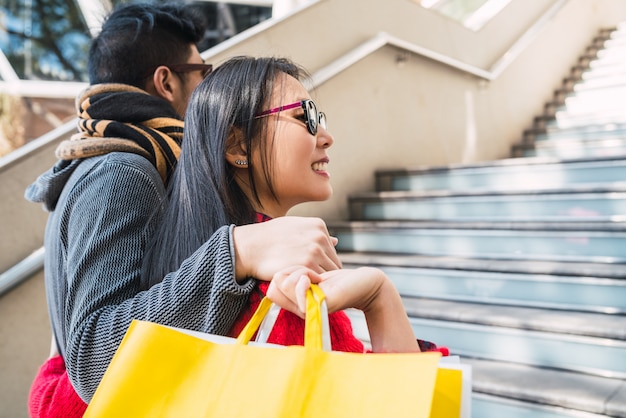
pixel 539 267
pixel 586 132
pixel 574 148
pixel 588 96
pixel 588 136
pixel 488 406
pixel 467 281
pixel 619 32
pixel 556 205
pixel 515 318
pixel 615 79
pixel 507 174
pixel 587 343
pixel 606 133
pixel 615 54
pixel 568 120
pixel 599 70
pixel 617 38
pixel 580 113
pixel 564 241
pixel 604 63
pixel 509 381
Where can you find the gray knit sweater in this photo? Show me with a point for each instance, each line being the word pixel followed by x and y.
pixel 99 224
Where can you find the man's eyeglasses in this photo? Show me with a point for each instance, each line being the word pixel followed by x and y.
pixel 188 67
pixel 312 117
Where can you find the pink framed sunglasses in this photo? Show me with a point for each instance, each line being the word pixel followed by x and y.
pixel 312 117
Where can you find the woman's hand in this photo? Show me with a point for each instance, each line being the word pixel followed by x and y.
pixel 344 288
pixel 288 288
pixel 367 289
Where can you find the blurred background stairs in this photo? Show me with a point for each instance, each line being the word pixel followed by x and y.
pixel 519 265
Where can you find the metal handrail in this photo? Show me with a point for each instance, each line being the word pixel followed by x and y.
pixel 383 39
pixel 526 39
pixel 25 150
pixel 21 271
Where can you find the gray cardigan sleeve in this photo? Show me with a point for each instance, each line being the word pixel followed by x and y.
pixel 101 226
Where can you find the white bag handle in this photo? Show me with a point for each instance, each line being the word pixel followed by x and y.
pixel 270 319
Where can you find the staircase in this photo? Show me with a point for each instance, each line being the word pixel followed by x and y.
pixel 519 265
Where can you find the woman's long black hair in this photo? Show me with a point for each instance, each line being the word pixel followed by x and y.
pixel 203 194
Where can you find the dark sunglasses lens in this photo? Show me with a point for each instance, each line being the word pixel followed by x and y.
pixel 311 116
pixel 322 119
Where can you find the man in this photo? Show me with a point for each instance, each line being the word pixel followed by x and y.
pixel 106 195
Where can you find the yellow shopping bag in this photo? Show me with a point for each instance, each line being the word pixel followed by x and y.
pixel 163 372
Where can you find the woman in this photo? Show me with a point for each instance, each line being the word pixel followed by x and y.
pixel 254 146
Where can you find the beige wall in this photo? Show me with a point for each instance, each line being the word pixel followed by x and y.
pixel 24 343
pixel 22 223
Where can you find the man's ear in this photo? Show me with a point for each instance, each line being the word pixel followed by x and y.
pixel 163 82
pixel 236 152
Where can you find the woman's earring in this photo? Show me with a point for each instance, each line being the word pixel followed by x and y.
pixel 241 162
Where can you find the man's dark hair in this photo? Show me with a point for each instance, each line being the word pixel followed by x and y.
pixel 136 38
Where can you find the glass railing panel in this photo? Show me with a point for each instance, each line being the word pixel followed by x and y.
pixel 44 48
pixel 473 14
pixel 44 39
pixel 49 39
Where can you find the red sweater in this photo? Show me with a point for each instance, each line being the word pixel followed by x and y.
pixel 52 394
pixel 289 328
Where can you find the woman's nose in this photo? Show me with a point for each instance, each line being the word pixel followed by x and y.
pixel 324 138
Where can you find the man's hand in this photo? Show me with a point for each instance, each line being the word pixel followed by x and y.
pixel 263 249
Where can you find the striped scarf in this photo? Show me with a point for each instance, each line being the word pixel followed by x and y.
pixel 119 117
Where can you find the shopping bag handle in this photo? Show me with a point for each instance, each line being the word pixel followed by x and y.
pixel 313 318
pixel 316 326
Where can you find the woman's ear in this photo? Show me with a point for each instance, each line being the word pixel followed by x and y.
pixel 236 152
